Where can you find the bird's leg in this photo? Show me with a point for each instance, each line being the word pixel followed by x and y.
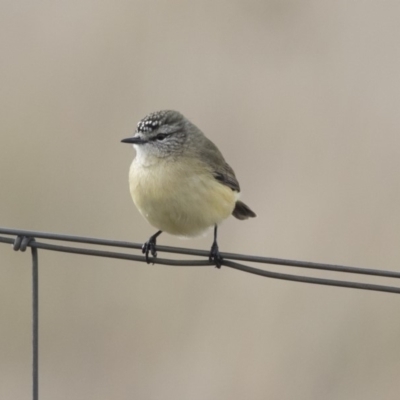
pixel 150 246
pixel 214 252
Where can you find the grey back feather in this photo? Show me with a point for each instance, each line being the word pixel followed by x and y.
pixel 208 152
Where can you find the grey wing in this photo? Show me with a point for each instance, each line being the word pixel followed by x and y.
pixel 226 176
pixel 208 153
pixel 220 169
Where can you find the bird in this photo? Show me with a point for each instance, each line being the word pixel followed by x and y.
pixel 180 181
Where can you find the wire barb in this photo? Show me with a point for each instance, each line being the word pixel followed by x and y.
pixel 24 239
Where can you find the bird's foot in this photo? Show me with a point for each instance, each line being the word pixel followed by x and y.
pixel 215 255
pixel 150 247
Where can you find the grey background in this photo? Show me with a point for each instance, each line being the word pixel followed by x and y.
pixel 302 98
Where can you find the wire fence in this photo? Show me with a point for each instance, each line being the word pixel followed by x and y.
pixel 22 239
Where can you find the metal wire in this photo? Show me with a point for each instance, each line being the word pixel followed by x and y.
pixel 20 244
pixel 35 323
pixel 24 239
pixel 227 259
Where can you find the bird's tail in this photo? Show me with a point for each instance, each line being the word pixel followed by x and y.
pixel 242 211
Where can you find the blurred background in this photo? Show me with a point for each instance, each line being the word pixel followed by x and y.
pixel 303 100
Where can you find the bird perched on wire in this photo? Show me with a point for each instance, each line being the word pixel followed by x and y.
pixel 179 180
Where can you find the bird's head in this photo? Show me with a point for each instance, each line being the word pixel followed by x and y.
pixel 160 134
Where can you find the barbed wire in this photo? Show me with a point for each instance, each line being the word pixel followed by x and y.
pixel 229 259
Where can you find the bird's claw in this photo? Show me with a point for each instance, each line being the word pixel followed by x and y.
pixel 215 255
pixel 149 247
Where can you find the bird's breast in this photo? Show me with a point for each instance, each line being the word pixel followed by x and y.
pixel 180 197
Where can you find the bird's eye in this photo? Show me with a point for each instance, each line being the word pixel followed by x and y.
pixel 161 136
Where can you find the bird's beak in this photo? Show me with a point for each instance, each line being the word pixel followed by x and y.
pixel 134 140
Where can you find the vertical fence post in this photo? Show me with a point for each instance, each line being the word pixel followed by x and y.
pixel 20 243
pixel 35 324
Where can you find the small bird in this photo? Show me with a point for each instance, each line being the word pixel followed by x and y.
pixel 180 182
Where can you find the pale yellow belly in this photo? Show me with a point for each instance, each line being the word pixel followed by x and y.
pixel 180 201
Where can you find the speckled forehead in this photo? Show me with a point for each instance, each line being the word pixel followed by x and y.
pixel 150 122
